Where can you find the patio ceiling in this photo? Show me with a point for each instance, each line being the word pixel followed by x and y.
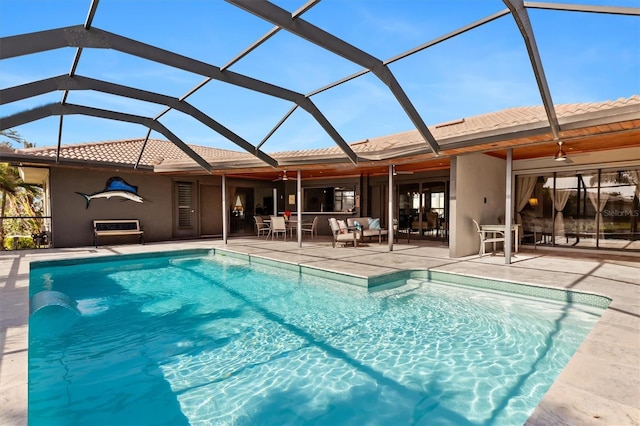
pixel 431 153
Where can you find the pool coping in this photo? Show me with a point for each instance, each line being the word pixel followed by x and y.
pixel 599 385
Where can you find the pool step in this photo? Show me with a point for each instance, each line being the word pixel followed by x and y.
pixel 397 288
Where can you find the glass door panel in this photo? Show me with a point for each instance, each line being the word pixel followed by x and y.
pixel 585 208
pixel 433 209
pixel 422 209
pixel 408 207
pixel 619 210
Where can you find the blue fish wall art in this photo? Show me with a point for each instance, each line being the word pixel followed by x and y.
pixel 115 187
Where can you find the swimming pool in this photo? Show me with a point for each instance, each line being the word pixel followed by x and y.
pixel 199 339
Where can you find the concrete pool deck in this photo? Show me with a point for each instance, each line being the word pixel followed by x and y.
pixel 599 386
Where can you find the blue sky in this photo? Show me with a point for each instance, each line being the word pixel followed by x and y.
pixel 587 58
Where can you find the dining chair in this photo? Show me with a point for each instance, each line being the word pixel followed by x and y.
pixel 278 226
pixel 311 228
pixel 484 239
pixel 262 228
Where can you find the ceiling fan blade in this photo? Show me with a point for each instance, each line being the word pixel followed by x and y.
pixel 283 177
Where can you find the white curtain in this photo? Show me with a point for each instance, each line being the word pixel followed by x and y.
pixel 561 197
pixel 524 189
pixel 593 197
pixel 636 174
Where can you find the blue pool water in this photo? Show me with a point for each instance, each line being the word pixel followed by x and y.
pixel 209 340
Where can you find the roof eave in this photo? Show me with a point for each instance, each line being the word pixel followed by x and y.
pixel 20 159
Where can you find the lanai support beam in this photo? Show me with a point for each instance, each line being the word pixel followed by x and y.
pixel 69 109
pixel 78 36
pixel 225 215
pixel 298 26
pixel 521 16
pixel 391 210
pixel 610 10
pixel 508 209
pixel 299 207
pixel 67 83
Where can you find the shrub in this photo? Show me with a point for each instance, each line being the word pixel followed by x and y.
pixel 23 243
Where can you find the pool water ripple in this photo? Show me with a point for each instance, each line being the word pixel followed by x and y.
pixel 213 342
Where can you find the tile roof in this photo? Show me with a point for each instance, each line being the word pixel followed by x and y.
pixel 496 121
pixel 127 152
pixel 162 152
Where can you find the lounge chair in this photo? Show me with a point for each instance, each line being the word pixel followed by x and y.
pixel 343 234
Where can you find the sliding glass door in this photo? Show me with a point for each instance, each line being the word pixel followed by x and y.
pixel 591 208
pixel 423 209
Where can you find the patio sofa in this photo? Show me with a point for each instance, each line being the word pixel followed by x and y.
pixel 366 229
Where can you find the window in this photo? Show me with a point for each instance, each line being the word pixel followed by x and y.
pixel 437 203
pixel 344 200
pixel 329 199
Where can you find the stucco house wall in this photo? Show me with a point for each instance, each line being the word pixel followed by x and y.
pixel 72 224
pixel 478 191
pixel 72 218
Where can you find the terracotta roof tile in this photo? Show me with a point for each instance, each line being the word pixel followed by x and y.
pixel 161 151
pixel 127 152
pixel 493 121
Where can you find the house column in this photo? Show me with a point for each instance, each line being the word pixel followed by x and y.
pixel 390 210
pixel 299 207
pixel 508 208
pixel 225 217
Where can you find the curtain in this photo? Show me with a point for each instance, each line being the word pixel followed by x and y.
pixel 561 197
pixel 524 189
pixel 636 174
pixel 593 197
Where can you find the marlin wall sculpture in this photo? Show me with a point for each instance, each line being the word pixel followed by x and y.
pixel 115 187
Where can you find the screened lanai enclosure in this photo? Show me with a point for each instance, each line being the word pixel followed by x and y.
pixel 293 69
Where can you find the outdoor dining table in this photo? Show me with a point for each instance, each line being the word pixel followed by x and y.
pixel 515 228
pixel 292 225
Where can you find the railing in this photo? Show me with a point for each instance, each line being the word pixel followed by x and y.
pixel 25 232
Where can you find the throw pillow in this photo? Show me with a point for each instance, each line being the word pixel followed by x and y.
pixel 374 223
pixel 357 225
pixel 343 226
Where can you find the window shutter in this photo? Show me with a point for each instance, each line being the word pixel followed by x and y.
pixel 185 199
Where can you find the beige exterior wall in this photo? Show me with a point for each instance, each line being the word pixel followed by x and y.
pixel 72 219
pixel 473 178
pixel 72 224
pixel 478 191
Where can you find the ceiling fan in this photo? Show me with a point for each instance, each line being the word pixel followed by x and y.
pixel 561 155
pixel 282 177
